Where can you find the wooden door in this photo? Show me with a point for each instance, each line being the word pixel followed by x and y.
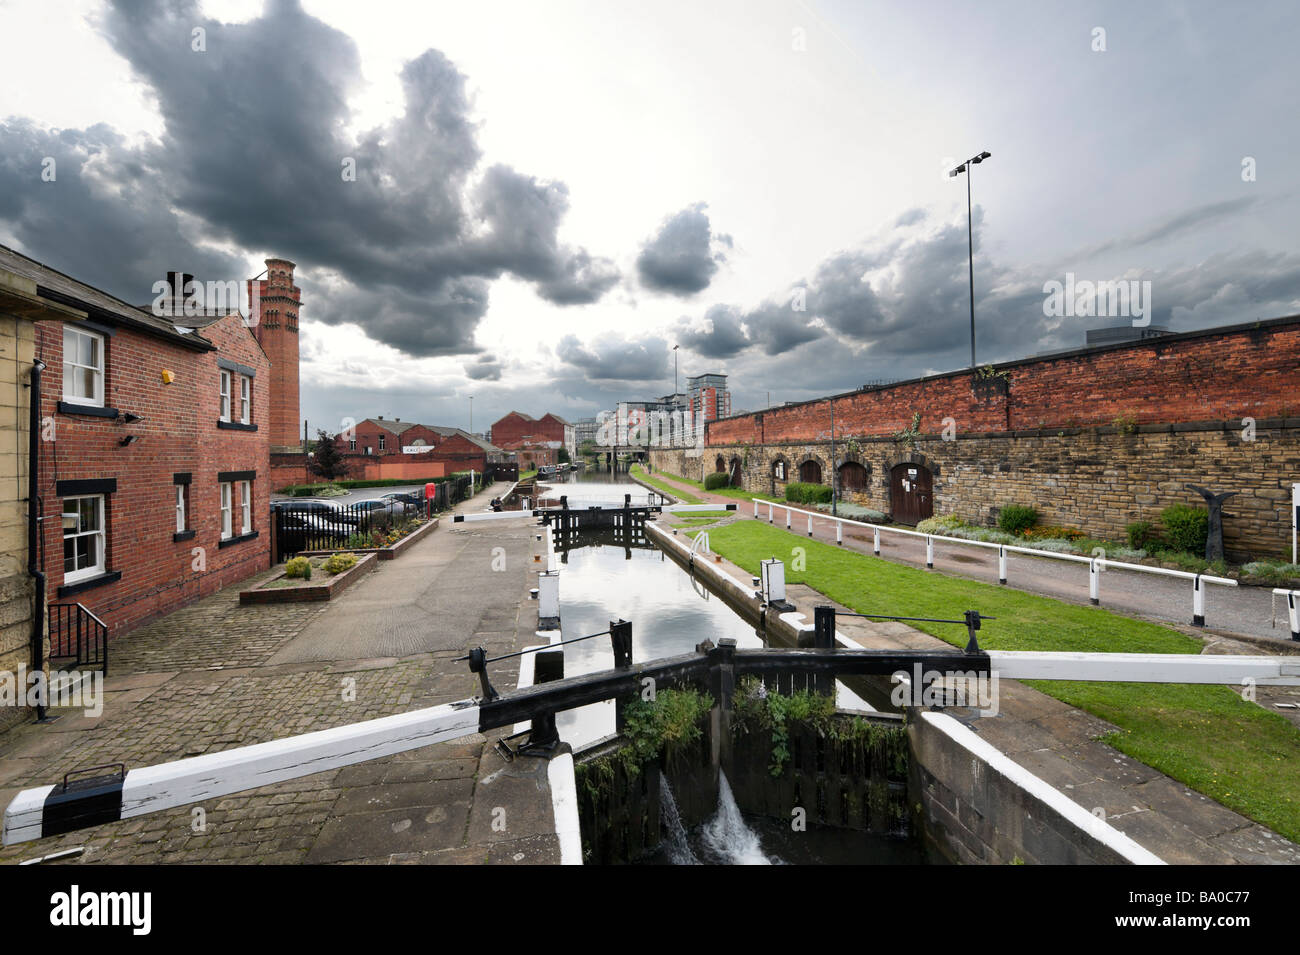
pixel 911 493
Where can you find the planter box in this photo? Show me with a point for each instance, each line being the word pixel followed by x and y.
pixel 383 553
pixel 322 587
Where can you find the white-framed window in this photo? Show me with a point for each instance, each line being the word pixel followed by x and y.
pixel 246 507
pixel 225 395
pixel 245 398
pixel 83 367
pixel 381 442
pixel 83 537
pixel 352 444
pixel 181 516
pixel 226 532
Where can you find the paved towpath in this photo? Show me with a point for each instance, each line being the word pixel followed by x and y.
pixel 215 675
pixel 1243 611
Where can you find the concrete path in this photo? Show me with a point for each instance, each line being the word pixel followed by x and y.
pixel 1246 611
pixel 213 676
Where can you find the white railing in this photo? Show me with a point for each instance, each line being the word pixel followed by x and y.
pixel 1095 564
pixel 701 543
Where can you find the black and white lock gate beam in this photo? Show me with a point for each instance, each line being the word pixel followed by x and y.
pixel 614 508
pixel 124 794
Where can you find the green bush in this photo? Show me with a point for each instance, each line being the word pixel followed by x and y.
pixel 803 493
pixel 298 567
pixel 716 480
pixel 1017 518
pixel 941 525
pixel 338 563
pixel 1186 528
pixel 1141 534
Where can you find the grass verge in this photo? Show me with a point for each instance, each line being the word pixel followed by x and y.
pixel 685 497
pixel 1206 737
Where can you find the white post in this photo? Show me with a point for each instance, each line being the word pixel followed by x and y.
pixel 877 541
pixel 1198 602
pixel 548 596
pixel 770 508
pixel 810 525
pixel 1094 582
pixel 1002 564
pixel 755 508
pixel 1293 606
pixel 929 553
pixel 839 532
pixel 788 512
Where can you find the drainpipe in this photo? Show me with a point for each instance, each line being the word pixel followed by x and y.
pixel 33 526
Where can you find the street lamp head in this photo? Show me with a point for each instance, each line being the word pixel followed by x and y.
pixel 959 169
pixel 985 155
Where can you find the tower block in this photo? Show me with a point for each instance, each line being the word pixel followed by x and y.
pixel 277 332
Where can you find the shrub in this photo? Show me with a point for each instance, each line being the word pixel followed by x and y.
pixel 1186 528
pixel 298 567
pixel 803 493
pixel 1142 534
pixel 941 525
pixel 716 480
pixel 1017 518
pixel 1056 545
pixel 338 563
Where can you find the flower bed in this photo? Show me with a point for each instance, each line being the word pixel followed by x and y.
pixel 391 546
pixel 321 585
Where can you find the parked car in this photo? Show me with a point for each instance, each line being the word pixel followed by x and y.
pixel 376 506
pixel 330 511
pixel 408 498
pixel 305 530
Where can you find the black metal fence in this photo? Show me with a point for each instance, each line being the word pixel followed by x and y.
pixel 317 525
pixel 77 637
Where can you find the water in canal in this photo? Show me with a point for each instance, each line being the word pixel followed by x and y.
pixel 671 613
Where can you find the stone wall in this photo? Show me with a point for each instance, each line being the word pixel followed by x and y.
pixel 17 349
pixel 1096 479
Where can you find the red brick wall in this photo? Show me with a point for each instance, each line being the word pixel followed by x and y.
pixel 514 431
pixel 1252 371
pixel 178 433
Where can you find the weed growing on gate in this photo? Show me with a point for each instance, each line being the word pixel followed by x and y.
pixel 1206 737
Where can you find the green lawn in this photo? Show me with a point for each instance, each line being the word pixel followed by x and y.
pixel 684 496
pixel 1206 737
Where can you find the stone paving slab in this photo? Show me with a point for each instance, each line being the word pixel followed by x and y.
pixel 166 702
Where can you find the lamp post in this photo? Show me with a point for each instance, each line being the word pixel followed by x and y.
pixel 834 471
pixel 471 414
pixel 970 242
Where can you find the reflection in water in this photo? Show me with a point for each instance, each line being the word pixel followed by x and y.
pixel 605 581
pixel 590 486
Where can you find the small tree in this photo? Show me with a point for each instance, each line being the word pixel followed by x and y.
pixel 564 456
pixel 328 461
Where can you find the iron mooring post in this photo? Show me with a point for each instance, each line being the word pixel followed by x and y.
pixel 548 666
pixel 478 664
pixel 972 624
pixel 824 639
pixel 620 635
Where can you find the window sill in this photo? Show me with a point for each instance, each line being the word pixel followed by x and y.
pixel 95 411
pixel 230 541
pixel 235 426
pixel 183 536
pixel 111 577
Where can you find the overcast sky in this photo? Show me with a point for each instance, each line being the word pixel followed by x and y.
pixel 549 195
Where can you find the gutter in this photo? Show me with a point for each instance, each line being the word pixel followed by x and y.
pixel 33 526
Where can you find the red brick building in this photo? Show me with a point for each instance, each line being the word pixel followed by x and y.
pixel 279 302
pixel 154 460
pixel 379 448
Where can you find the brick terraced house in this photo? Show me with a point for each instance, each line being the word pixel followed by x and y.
pixel 154 458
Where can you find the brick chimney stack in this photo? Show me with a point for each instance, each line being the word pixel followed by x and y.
pixel 277 331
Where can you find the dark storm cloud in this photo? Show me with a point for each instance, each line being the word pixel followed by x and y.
pixel 682 257
pixel 1177 224
pixel 613 358
pixel 484 368
pixel 255 148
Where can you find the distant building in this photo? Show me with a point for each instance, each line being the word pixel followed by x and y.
pixel 517 431
pixel 585 430
pixel 709 397
pixel 379 448
pixel 1114 334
